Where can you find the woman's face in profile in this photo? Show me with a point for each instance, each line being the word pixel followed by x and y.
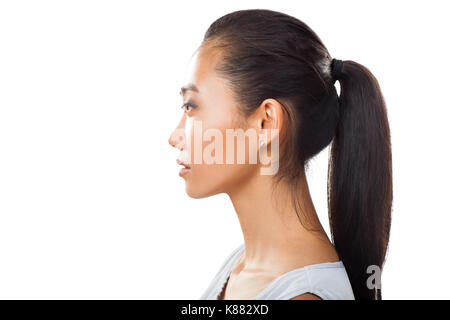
pixel 200 136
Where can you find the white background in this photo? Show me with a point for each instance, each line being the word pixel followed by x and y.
pixel 91 204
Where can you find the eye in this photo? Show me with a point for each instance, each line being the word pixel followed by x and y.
pixel 188 106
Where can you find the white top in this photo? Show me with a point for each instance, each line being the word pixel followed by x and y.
pixel 328 280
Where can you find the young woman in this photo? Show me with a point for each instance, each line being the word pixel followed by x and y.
pixel 264 70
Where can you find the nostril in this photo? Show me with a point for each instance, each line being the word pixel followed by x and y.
pixel 173 142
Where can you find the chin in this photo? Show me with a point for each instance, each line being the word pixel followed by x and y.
pixel 199 192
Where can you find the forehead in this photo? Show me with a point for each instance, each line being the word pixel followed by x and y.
pixel 201 68
pixel 214 91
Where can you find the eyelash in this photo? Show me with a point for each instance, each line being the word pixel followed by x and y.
pixel 188 104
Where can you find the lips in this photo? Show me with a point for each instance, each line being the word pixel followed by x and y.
pixel 183 164
pixel 183 171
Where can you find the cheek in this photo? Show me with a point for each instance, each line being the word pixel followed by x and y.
pixel 206 138
pixel 209 177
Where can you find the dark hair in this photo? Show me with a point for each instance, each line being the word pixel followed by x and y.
pixel 268 54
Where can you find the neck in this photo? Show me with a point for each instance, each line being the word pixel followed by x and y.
pixel 271 228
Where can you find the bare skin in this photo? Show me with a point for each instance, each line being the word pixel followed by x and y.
pixel 275 241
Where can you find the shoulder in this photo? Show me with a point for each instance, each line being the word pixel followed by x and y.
pixel 325 281
pixel 330 281
pixel 307 296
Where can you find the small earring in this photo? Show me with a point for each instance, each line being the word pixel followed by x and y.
pixel 261 143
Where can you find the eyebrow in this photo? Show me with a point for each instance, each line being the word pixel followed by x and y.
pixel 190 86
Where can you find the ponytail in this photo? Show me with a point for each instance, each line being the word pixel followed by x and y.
pixel 360 177
pixel 268 54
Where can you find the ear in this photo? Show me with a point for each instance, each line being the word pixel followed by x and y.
pixel 268 116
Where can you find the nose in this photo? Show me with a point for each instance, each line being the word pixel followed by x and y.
pixel 176 138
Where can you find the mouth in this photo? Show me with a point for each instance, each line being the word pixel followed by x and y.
pixel 185 170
